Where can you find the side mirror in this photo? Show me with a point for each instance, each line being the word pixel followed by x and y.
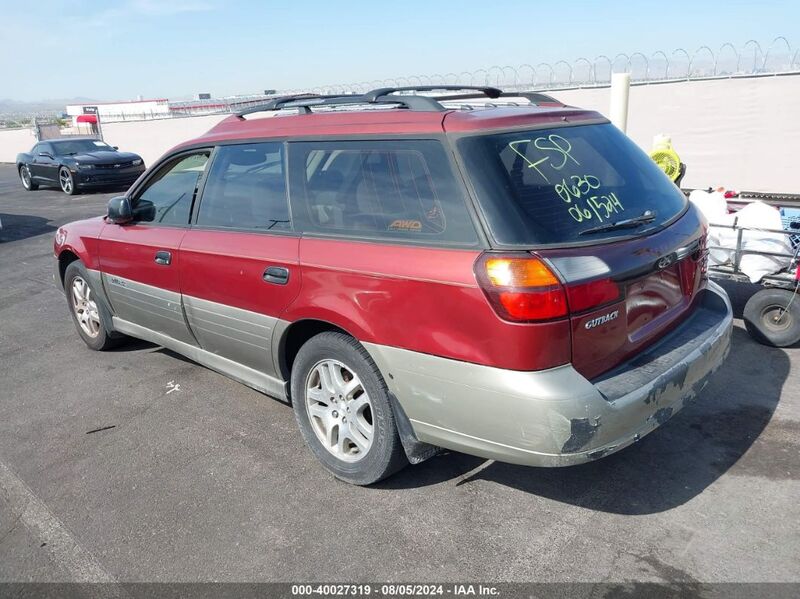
pixel 115 147
pixel 119 210
pixel 46 155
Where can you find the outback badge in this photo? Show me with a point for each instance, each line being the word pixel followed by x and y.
pixel 596 322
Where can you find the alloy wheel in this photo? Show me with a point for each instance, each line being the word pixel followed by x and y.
pixel 85 307
pixel 339 410
pixel 25 175
pixel 65 178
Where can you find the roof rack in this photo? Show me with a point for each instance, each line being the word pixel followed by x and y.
pixel 532 97
pixel 389 95
pixel 489 92
pixel 305 102
pixel 277 103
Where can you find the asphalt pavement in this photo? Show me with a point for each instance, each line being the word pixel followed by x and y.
pixel 140 465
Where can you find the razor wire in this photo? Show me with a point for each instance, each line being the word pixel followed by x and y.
pixel 680 64
pixel 751 59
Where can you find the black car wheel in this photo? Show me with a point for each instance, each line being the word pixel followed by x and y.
pixel 25 177
pixel 343 409
pixel 87 312
pixel 66 181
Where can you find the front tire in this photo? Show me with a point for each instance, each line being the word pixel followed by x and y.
pixel 772 317
pixel 343 409
pixel 27 180
pixel 67 181
pixel 87 313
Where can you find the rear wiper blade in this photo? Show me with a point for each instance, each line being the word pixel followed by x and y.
pixel 629 223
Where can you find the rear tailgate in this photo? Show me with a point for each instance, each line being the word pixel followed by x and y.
pixel 658 277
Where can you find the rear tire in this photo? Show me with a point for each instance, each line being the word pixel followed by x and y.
pixel 768 320
pixel 333 379
pixel 87 313
pixel 67 181
pixel 25 177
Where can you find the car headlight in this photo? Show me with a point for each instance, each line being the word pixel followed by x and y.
pixel 83 167
pixel 137 162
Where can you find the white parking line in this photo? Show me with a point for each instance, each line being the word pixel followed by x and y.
pixel 65 550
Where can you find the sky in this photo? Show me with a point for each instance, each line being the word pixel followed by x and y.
pixel 114 50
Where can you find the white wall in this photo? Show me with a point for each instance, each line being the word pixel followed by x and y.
pixel 740 133
pixel 14 141
pixel 150 139
pixel 743 134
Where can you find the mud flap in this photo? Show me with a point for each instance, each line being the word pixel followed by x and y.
pixel 416 450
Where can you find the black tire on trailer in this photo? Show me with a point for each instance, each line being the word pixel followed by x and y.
pixel 772 317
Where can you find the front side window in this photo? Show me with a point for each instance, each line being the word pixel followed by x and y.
pixel 403 189
pixel 246 189
pixel 168 195
pixel 566 185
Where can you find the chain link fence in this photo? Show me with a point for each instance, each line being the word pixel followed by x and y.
pixel 747 60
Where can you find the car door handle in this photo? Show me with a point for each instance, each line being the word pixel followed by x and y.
pixel 163 257
pixel 276 274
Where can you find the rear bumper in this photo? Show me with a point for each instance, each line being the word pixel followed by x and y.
pixel 557 417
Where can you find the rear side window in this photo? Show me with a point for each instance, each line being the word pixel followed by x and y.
pixel 402 189
pixel 552 186
pixel 246 189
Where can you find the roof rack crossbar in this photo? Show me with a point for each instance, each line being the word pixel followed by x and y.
pixel 305 102
pixel 532 97
pixel 276 103
pixel 388 95
pixel 490 92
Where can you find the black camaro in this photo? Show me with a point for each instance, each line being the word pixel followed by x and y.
pixel 75 163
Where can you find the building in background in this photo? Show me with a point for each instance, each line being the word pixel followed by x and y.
pixel 109 112
pixel 93 113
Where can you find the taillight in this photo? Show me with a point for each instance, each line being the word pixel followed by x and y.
pixel 521 287
pixel 702 257
pixel 693 269
pixel 592 294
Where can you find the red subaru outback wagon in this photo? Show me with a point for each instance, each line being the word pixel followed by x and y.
pixel 493 273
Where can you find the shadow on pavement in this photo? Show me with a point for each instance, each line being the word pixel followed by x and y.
pixel 739 293
pixel 22 226
pixel 669 466
pixel 666 468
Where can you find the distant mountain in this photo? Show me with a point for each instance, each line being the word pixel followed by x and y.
pixel 9 108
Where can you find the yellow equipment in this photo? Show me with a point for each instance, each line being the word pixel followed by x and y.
pixel 665 156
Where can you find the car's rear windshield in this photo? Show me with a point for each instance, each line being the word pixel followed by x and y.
pixel 551 186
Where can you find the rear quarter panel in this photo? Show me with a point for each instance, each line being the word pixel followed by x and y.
pixel 420 299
